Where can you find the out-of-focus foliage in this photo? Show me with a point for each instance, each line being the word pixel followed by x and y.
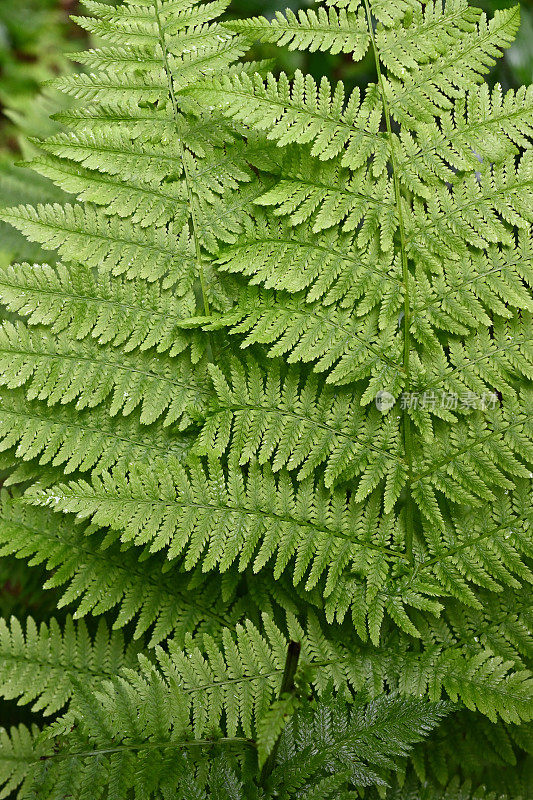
pixel 34 37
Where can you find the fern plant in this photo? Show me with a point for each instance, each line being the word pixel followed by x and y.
pixel 265 409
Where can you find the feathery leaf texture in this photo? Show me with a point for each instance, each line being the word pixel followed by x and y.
pixel 59 370
pixel 265 379
pixel 97 578
pixel 40 664
pixel 20 748
pixel 333 31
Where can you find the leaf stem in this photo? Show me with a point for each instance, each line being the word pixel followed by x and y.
pixel 149 746
pixel 181 150
pixel 287 687
pixel 408 440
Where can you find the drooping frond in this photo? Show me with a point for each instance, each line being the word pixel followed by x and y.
pixel 97 578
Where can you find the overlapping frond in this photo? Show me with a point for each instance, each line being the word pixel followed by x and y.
pixel 41 664
pixel 361 476
pixel 422 73
pixel 218 520
pixel 138 724
pixel 19 751
pixel 303 112
pixel 297 423
pixel 125 313
pixel 97 578
pixel 58 369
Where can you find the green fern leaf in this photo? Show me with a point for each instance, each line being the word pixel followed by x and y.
pixel 40 665
pixel 336 32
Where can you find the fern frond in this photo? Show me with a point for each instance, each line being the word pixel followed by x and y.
pixel 431 76
pixel 84 233
pixel 254 661
pixel 40 665
pixel 19 750
pixel 302 112
pixel 59 370
pixel 328 194
pixel 454 790
pixel 494 280
pixel 333 31
pixel 483 126
pixel 136 727
pixel 296 423
pixel 475 212
pixel 96 577
pixel 80 440
pixel 362 741
pixel 334 339
pixel 215 520
pixel 126 313
pixel 328 266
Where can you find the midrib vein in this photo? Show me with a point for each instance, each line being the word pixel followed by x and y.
pixel 409 507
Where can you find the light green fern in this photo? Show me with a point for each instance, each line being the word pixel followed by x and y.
pixel 265 410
